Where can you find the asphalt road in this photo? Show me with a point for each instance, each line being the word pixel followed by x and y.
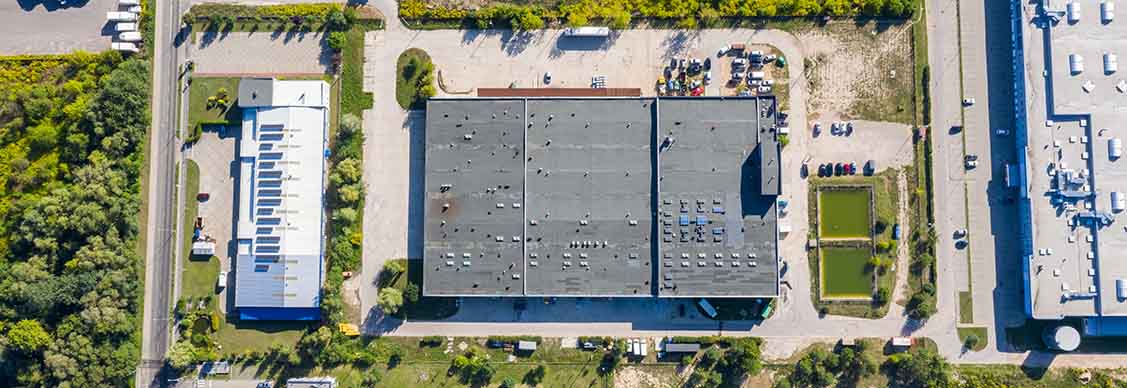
pixel 159 253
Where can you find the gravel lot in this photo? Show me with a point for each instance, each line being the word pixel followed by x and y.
pixel 44 27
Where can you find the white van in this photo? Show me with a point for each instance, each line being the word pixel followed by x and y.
pixel 129 36
pixel 120 46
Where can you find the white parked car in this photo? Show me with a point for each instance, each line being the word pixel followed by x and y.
pixel 124 46
pixel 723 50
pixel 130 36
pixel 764 89
pixel 222 281
pixel 968 101
pixel 128 3
pixel 135 9
pixel 124 27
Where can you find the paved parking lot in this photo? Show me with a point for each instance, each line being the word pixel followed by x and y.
pixel 215 153
pixel 260 53
pixel 46 27
pixel 889 144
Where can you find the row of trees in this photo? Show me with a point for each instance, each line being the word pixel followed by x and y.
pixel 726 367
pixel 618 14
pixel 346 204
pixel 69 270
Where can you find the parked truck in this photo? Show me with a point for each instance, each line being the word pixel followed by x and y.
pixel 129 36
pixel 115 16
pixel 123 46
pixel 587 32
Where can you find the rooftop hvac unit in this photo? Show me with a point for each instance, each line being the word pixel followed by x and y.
pixel 1118 201
pixel 1114 148
pixel 1075 63
pixel 1107 11
pixel 1073 12
pixel 1111 63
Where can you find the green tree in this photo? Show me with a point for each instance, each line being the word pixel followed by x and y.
pixel 411 292
pixel 536 375
pixel 28 336
pixel 971 341
pixel 390 300
pixel 337 40
pixel 704 378
pixel 922 368
pixel 336 20
pixel 350 124
pixel 181 355
pixel 394 268
pixel 619 19
pixel 508 382
pixel 882 295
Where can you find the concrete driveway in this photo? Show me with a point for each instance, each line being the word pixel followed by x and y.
pixel 48 27
pixel 215 154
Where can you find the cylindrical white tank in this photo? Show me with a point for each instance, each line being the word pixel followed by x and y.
pixel 1075 63
pixel 1073 11
pixel 1114 148
pixel 1118 201
pixel 1064 338
pixel 1111 63
pixel 1107 11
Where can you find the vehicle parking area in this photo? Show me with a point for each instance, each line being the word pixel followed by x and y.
pixel 215 154
pixel 631 58
pixel 888 145
pixel 48 27
pixel 267 52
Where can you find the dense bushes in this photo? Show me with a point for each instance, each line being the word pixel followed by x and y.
pixel 414 79
pixel 71 130
pixel 346 204
pixel 618 14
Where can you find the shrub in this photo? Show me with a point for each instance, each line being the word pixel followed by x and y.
pixel 882 295
pixel 337 40
pixel 431 341
pixel 216 320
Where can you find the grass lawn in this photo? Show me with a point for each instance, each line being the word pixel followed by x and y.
pixel 966 307
pixel 240 337
pixel 980 332
pixel 845 273
pixel 200 273
pixel 844 213
pixel 204 87
pixel 428 307
pixel 412 65
pixel 353 98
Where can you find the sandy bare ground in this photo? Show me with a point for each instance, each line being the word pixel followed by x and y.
pixel 630 377
pixel 854 71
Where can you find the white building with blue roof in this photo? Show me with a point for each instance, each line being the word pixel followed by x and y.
pixel 280 221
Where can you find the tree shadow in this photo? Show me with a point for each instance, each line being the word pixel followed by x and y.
pixel 51 5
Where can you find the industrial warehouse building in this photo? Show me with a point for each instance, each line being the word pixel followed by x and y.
pixel 601 197
pixel 281 161
pixel 1070 174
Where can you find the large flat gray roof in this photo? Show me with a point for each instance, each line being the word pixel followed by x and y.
pixel 719 229
pixel 556 196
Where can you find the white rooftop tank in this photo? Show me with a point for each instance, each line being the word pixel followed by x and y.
pixel 1073 11
pixel 1075 63
pixel 1107 11
pixel 1111 63
pixel 1064 338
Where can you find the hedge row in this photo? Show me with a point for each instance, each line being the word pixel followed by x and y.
pixel 208 10
pixel 617 14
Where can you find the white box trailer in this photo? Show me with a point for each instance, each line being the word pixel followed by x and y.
pixel 128 3
pixel 1114 148
pixel 115 16
pixel 129 36
pixel 587 32
pixel 122 46
pixel 1111 63
pixel 1073 8
pixel 1075 63
pixel 124 27
pixel 757 75
pixel 1118 201
pixel 1107 11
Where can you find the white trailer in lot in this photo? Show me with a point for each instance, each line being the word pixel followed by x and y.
pixel 115 16
pixel 130 36
pixel 124 27
pixel 122 46
pixel 587 32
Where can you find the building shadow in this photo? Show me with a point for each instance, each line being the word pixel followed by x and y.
pixel 51 5
pixel 415 123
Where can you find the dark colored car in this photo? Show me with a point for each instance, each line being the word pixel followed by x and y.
pixel 822 170
pixel 838 169
pixel 852 168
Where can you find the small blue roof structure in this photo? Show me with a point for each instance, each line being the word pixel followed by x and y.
pixel 702 220
pixel 684 220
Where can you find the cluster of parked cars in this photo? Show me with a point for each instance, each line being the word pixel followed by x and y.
pixel 127 29
pixel 749 67
pixel 676 77
pixel 837 169
pixel 837 128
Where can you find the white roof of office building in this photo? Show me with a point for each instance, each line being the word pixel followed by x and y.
pixel 281 196
pixel 1076 242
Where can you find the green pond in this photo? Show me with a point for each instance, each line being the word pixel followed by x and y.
pixel 844 274
pixel 844 213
